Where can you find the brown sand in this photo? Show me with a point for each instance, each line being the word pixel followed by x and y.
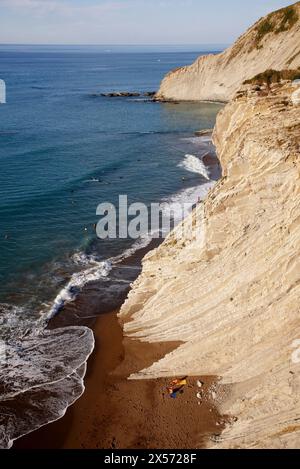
pixel 115 412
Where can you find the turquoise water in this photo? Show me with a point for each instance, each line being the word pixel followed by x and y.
pixel 56 139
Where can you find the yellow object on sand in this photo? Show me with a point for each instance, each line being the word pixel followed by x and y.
pixel 179 382
pixel 176 387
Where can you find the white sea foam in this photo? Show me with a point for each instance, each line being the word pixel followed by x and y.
pixel 195 165
pixel 78 280
pixel 140 243
pixel 45 375
pixel 200 140
pixel 92 180
pixel 83 259
pixel 97 270
pixel 15 321
pixel 187 198
pixel 38 370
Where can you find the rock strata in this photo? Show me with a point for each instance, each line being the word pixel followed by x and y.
pixel 231 295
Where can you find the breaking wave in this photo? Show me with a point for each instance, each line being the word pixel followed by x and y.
pixel 195 165
pixel 40 378
pixel 78 280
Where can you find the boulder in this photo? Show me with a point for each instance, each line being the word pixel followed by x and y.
pixel 296 97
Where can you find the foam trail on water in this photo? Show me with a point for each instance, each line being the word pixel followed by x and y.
pixel 83 259
pixel 93 180
pixel 97 270
pixel 195 165
pixel 77 282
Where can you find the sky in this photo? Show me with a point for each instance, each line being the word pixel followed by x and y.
pixel 129 21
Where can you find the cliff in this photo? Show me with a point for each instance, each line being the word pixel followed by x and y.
pixel 231 296
pixel 272 43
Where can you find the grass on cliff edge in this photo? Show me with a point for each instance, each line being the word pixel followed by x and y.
pixel 277 22
pixel 273 76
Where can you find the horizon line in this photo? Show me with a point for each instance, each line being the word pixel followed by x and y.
pixel 114 45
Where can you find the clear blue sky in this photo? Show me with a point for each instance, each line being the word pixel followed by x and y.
pixel 129 21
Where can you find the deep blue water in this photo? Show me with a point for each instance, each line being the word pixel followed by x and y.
pixel 55 136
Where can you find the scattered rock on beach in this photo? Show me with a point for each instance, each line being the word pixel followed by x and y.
pixel 296 97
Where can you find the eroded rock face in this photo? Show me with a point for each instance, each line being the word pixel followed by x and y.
pixel 232 295
pixel 272 43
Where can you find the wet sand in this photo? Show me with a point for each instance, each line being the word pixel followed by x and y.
pixel 115 412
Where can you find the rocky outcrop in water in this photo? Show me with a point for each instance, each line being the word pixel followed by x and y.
pixel 126 94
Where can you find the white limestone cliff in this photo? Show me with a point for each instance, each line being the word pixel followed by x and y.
pixel 272 43
pixel 231 296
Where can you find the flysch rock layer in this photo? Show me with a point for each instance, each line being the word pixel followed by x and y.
pixel 218 77
pixel 231 294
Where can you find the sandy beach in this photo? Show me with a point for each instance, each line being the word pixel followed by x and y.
pixel 118 413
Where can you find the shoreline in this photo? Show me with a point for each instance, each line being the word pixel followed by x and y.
pixel 100 418
pixel 113 360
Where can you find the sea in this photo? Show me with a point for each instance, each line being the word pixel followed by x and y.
pixel 65 149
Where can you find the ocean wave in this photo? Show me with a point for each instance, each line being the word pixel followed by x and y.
pixel 94 270
pixel 187 199
pixel 92 180
pixel 141 100
pixel 195 165
pixel 15 321
pixel 151 132
pixel 199 140
pixel 40 378
pixel 100 270
pixel 140 243
pixel 83 259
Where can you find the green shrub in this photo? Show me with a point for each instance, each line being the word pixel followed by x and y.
pixel 289 18
pixel 277 22
pixel 264 28
pixel 273 76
